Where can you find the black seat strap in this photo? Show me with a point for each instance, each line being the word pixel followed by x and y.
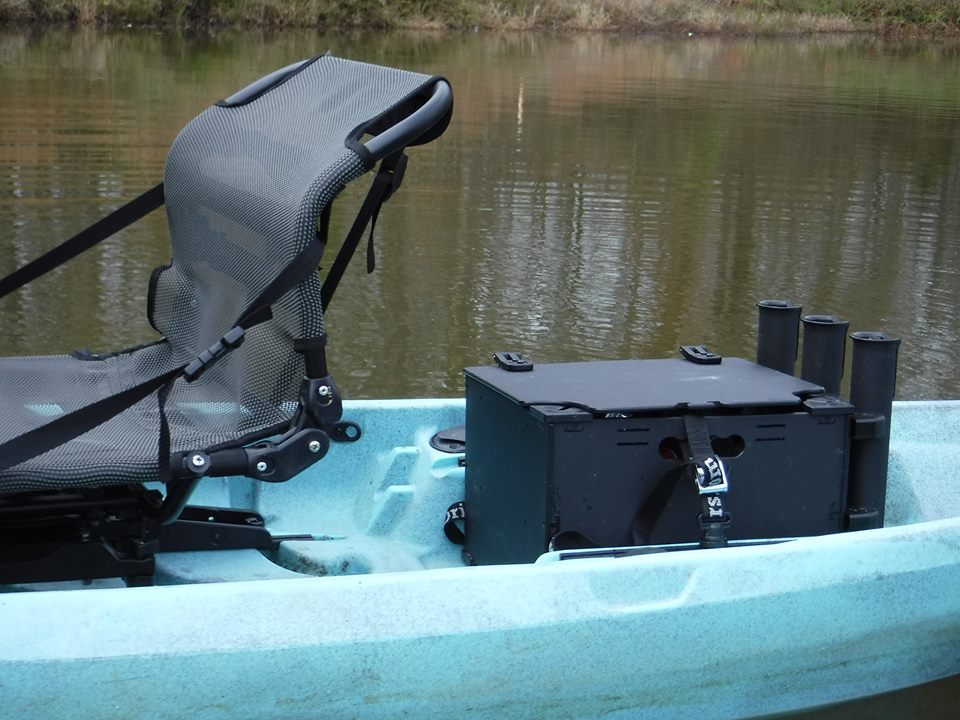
pixel 387 181
pixel 67 427
pixel 84 240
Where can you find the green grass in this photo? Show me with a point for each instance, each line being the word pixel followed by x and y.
pixel 719 16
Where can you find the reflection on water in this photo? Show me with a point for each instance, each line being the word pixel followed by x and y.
pixel 595 196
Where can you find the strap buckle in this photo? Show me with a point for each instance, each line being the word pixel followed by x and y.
pixel 710 475
pixel 209 357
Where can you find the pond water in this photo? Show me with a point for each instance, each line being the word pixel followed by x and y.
pixel 594 197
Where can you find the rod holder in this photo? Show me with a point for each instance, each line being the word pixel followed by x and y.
pixel 824 348
pixel 777 330
pixel 873 377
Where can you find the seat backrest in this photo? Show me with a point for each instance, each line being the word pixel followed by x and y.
pixel 245 185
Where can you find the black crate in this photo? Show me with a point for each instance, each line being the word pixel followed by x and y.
pixel 574 450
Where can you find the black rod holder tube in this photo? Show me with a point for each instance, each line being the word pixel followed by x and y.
pixel 777 330
pixel 824 347
pixel 873 377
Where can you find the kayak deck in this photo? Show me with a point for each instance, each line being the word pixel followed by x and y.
pixel 739 632
pixel 378 505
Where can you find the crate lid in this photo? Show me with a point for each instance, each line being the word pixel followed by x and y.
pixel 611 386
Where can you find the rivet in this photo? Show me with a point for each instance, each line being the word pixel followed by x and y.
pixel 262 466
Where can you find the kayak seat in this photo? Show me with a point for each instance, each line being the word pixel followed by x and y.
pixel 237 381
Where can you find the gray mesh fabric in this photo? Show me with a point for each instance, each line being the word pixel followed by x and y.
pixel 244 187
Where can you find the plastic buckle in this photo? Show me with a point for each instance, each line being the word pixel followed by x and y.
pixel 710 475
pixel 209 357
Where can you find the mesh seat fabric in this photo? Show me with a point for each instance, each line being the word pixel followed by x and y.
pixel 245 186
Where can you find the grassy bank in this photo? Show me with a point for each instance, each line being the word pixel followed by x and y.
pixel 714 16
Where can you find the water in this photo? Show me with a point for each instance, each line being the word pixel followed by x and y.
pixel 595 197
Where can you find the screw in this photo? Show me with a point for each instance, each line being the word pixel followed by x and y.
pixel 314 446
pixel 326 395
pixel 262 466
pixel 198 461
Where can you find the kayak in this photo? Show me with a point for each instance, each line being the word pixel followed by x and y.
pixel 367 610
pixel 338 588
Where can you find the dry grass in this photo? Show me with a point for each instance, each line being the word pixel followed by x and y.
pixel 703 16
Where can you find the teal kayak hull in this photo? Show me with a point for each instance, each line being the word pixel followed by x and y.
pixel 376 617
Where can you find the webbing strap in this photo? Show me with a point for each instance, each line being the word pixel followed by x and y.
pixel 387 181
pixel 706 470
pixel 649 512
pixel 73 424
pixel 698 436
pixel 453 521
pixel 67 427
pixel 84 240
pixel 296 271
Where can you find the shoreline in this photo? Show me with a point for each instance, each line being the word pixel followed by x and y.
pixel 705 17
